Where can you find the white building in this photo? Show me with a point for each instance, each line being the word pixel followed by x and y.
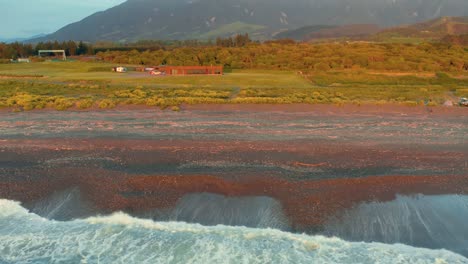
pixel 121 69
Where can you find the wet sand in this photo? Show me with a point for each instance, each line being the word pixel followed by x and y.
pixel 307 203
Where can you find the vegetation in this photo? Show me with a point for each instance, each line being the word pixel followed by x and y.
pixel 302 32
pixel 280 71
pixel 229 30
pixel 461 40
pixel 425 57
pixel 21 50
pixel 237 41
pixel 434 30
pixel 81 85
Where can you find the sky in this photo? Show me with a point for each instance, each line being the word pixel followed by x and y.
pixel 26 18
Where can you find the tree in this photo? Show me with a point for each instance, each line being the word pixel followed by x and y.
pixel 72 48
pixel 81 49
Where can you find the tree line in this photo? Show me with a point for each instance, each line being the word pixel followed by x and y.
pixel 239 40
pixel 23 50
pixel 242 53
pixel 287 55
pixel 72 48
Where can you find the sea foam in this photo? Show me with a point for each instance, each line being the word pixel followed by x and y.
pixel 435 221
pixel 120 238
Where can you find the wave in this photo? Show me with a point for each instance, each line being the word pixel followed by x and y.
pixel 202 208
pixel 437 221
pixel 212 209
pixel 119 238
pixel 64 205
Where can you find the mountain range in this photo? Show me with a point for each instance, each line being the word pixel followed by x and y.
pixel 434 29
pixel 207 19
pixel 11 40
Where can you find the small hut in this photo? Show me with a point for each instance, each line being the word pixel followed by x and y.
pixel 120 69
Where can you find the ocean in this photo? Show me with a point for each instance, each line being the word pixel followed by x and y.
pixel 119 238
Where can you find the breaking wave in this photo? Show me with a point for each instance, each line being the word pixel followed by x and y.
pixel 437 221
pixel 212 209
pixel 28 238
pixel 66 205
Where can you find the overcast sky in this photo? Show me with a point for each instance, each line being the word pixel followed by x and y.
pixel 26 18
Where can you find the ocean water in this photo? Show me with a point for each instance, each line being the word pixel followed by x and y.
pixel 212 209
pixel 119 238
pixel 429 221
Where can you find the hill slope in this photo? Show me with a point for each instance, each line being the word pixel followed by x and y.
pixel 311 33
pixel 435 29
pixel 191 19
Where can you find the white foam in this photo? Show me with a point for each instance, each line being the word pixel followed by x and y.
pixel 120 238
pixel 8 208
pixel 437 221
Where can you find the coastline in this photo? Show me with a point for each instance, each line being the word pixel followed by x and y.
pixel 322 109
pixel 333 109
pixel 314 203
pixel 316 162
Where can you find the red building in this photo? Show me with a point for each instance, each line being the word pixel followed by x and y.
pixel 190 70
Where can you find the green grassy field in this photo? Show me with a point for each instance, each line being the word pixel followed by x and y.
pixel 230 29
pixel 64 85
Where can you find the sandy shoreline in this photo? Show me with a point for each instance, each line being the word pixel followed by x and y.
pixel 329 109
pixel 115 174
pixel 321 109
pixel 313 202
pixel 136 158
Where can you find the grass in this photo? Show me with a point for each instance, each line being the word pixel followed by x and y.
pixel 85 85
pixel 230 29
pixel 400 39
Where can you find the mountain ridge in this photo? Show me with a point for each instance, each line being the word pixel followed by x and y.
pixel 435 29
pixel 194 19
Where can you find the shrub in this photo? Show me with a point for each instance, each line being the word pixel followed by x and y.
pixel 24 100
pixel 154 101
pixel 134 101
pixel 85 103
pixel 337 101
pixel 106 104
pixel 62 104
pixel 138 93
pixel 40 104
